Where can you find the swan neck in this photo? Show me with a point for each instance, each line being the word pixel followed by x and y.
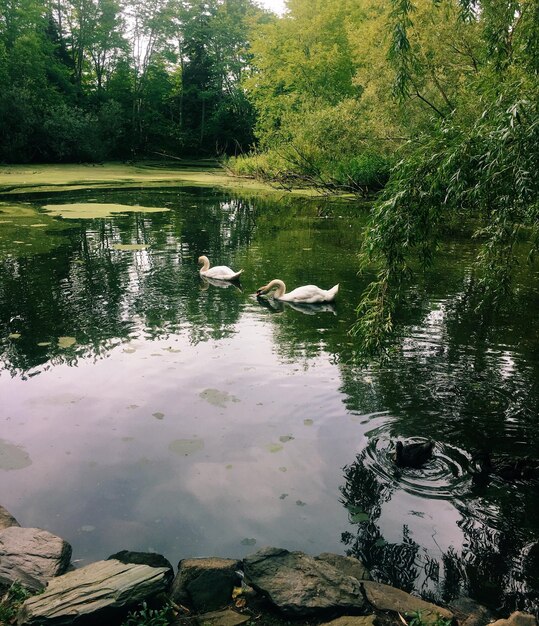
pixel 205 264
pixel 281 288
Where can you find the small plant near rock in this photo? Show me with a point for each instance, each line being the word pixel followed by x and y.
pixel 147 616
pixel 416 619
pixel 10 603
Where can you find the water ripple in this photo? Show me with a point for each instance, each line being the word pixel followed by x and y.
pixel 445 476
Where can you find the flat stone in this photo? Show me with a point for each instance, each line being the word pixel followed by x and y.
pixel 386 598
pixel 352 620
pixel 227 617
pixel 6 519
pixel 98 592
pixel 518 618
pixel 205 584
pixel 145 558
pixel 300 585
pixel 347 565
pixel 32 556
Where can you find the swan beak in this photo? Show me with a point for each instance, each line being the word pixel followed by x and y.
pixel 261 290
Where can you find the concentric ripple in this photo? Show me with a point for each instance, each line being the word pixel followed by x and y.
pixel 444 476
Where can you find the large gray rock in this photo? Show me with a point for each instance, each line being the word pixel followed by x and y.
pixel 205 584
pixel 301 585
pixel 6 519
pixel 385 598
pixel 518 618
pixel 32 556
pixel 347 565
pixel 93 594
pixel 468 612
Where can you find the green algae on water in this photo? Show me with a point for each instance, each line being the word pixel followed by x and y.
pixel 186 447
pixel 66 342
pixel 93 210
pixel 13 457
pixel 217 398
pixel 129 246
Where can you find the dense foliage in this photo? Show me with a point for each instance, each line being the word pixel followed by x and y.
pixel 84 80
pixel 432 101
pixel 477 162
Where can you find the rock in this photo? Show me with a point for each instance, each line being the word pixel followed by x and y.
pixel 301 585
pixel 32 556
pixel 352 620
pixel 205 584
pixel 6 519
pixel 227 617
pixel 98 592
pixel 386 598
pixel 145 558
pixel 517 619
pixel 470 613
pixel 347 565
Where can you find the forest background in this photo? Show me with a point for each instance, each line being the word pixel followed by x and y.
pixel 432 104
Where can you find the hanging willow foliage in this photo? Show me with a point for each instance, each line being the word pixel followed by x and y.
pixel 484 167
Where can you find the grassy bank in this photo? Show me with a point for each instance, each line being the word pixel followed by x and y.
pixel 15 179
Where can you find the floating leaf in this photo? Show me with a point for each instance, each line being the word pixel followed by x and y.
pixel 14 335
pixel 286 438
pixel 308 422
pixel 274 447
pixel 158 415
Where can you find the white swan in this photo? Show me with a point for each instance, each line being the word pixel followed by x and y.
pixel 219 272
pixel 308 294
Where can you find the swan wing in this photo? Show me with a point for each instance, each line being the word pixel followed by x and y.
pixel 221 272
pixel 310 294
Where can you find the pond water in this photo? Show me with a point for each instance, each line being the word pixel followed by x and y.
pixel 143 408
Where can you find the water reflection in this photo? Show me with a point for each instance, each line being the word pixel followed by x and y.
pixel 188 416
pixel 278 306
pixel 221 284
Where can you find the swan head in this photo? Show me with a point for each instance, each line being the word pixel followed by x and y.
pixel 202 259
pixel 262 290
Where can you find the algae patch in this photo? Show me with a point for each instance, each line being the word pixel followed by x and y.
pixel 27 231
pixel 13 457
pixel 93 210
pixel 66 342
pixel 186 447
pixel 129 246
pixel 218 398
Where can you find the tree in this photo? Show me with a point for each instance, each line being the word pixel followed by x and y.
pixel 478 160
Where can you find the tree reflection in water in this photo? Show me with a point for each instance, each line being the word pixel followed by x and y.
pixel 496 566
